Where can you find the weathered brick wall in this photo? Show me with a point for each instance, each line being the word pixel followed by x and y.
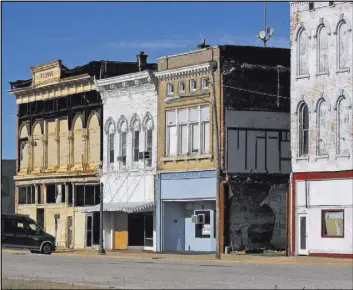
pixel 311 87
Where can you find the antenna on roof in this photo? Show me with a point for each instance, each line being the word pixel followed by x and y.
pixel 265 35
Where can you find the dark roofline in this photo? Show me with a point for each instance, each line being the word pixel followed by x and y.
pixel 93 68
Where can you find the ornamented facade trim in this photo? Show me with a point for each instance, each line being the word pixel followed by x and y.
pixel 184 71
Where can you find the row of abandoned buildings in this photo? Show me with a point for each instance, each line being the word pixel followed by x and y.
pixel 144 133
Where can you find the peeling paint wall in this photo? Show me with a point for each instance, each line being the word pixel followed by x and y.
pixel 326 134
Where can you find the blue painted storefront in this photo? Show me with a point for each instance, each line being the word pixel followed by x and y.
pixel 179 195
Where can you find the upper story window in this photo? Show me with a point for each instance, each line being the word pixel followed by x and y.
pixel 343 45
pixel 192 85
pixel 311 5
pixel 149 140
pixel 170 89
pixel 181 87
pixel 135 141
pixel 302 53
pixel 303 114
pixel 331 3
pixel 26 195
pixel 122 143
pixel 322 127
pixel 111 147
pixel 188 131
pixel 342 129
pixel 204 83
pixel 322 49
pixel 110 131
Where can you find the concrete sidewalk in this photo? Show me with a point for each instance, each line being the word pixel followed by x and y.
pixel 230 258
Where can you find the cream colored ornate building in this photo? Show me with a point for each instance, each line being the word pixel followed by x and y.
pixel 59 115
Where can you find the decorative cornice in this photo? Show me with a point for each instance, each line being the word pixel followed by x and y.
pixel 124 78
pixel 184 71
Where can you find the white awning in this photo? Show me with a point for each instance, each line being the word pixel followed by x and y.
pixel 128 207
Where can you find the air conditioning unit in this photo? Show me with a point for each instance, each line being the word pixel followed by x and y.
pixel 198 219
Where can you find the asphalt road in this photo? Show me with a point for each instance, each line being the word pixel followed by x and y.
pixel 170 274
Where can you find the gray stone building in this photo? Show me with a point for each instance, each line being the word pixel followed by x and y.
pixel 8 171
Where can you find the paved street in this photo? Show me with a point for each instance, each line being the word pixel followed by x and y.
pixel 168 274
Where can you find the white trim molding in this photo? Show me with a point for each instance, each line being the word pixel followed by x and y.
pixel 184 71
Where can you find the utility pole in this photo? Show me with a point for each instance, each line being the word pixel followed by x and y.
pixel 213 67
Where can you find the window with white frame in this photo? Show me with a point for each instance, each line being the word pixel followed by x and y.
pixel 122 143
pixel 135 142
pixel 343 41
pixel 171 133
pixel 183 132
pixel 192 84
pixel 188 131
pixel 194 126
pixel 204 83
pixel 170 89
pixel 181 87
pixel 342 129
pixel 303 114
pixel 111 147
pixel 322 50
pixel 302 53
pixel 322 127
pixel 148 141
pixel 205 129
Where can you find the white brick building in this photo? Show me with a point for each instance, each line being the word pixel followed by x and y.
pixel 321 128
pixel 129 159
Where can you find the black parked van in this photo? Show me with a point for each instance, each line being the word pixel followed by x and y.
pixel 21 232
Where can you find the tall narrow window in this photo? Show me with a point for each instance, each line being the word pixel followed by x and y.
pixel 322 127
pixel 311 5
pixel 111 148
pixel 302 67
pixel 194 130
pixel 183 132
pixel 135 142
pixel 192 85
pixel 303 129
pixel 205 129
pixel 148 142
pixel 170 89
pixel 122 143
pixel 343 45
pixel 171 133
pixel 322 50
pixel 342 129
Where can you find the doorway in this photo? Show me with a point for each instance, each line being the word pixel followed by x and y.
pixel 40 217
pixel 140 230
pixel 303 236
pixel 89 230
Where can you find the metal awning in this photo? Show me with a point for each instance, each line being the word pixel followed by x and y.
pixel 128 207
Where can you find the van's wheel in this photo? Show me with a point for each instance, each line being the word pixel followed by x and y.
pixel 35 252
pixel 47 250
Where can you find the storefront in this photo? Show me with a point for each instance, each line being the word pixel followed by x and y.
pixel 185 211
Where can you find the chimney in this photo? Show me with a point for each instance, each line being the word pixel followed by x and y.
pixel 141 60
pixel 203 44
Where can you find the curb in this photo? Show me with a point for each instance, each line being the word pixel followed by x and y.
pixel 225 259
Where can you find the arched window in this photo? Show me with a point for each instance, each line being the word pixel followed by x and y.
pixel 148 140
pixel 135 129
pixel 343 45
pixel 303 114
pixel 322 127
pixel 322 50
pixel 302 53
pixel 122 142
pixel 111 137
pixel 342 130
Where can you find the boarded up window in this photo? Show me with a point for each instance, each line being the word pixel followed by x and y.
pixel 343 45
pixel 94 140
pixel 343 126
pixel 332 223
pixel 303 68
pixel 323 127
pixel 63 142
pixel 322 47
pixel 52 144
pixel 78 148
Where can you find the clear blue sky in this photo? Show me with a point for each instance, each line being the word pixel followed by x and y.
pixel 78 32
